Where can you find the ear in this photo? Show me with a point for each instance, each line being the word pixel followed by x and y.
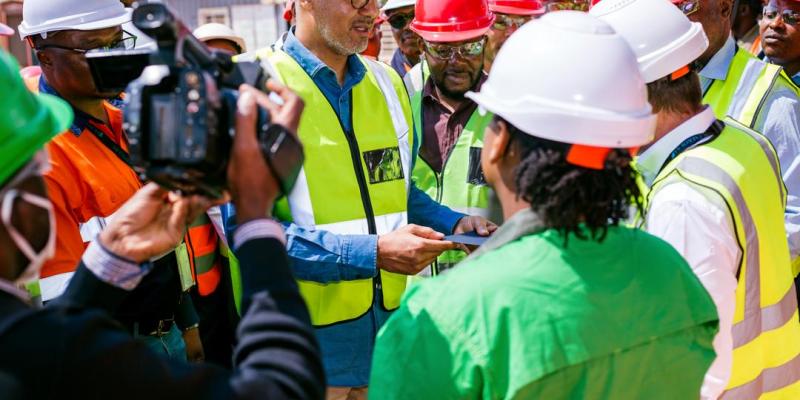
pixel 498 146
pixel 725 9
pixel 44 59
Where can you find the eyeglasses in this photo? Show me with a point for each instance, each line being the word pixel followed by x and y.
pixel 688 7
pixel 359 4
pixel 789 17
pixel 503 22
pixel 126 43
pixel 400 21
pixel 466 50
pixel 570 5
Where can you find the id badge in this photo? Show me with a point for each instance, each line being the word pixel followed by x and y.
pixel 184 267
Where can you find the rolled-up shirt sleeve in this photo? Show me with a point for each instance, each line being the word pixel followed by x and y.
pixel 697 224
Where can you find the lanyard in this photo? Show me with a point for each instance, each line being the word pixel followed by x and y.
pixel 110 144
pixel 714 130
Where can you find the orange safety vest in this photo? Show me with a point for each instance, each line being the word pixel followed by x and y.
pixel 87 183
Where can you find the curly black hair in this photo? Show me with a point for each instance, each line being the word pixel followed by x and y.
pixel 570 198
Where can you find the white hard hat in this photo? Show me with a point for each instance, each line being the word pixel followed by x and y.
pixel 568 77
pixel 662 37
pixel 43 16
pixel 219 31
pixel 393 4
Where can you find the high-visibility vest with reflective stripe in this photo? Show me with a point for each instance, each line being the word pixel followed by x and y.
pixel 461 184
pixel 741 166
pixel 351 182
pixel 203 245
pixel 743 93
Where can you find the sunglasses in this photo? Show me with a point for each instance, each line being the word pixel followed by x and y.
pixel 126 43
pixel 446 51
pixel 400 21
pixel 688 7
pixel 503 22
pixel 569 5
pixel 790 17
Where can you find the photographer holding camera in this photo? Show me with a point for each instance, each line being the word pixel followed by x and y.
pixel 92 175
pixel 68 349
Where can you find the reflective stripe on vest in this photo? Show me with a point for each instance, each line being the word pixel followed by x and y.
pixel 766 331
pixel 202 244
pixel 743 93
pixel 461 184
pixel 328 194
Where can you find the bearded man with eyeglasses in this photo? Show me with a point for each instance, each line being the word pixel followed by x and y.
pixel 758 94
pixel 347 219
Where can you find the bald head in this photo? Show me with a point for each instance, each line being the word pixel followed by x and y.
pixel 715 15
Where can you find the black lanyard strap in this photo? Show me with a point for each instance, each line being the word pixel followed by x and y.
pixel 110 144
pixel 713 131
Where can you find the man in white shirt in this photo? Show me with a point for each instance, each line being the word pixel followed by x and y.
pixel 714 192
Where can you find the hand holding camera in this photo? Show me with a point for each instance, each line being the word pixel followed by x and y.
pixel 253 184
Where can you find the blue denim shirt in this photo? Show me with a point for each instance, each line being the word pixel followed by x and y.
pixel 326 257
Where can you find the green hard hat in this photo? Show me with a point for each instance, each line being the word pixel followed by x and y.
pixel 27 120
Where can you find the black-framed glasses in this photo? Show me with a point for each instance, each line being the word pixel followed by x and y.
pixel 789 17
pixel 359 4
pixel 444 51
pixel 569 5
pixel 503 21
pixel 125 43
pixel 688 7
pixel 400 21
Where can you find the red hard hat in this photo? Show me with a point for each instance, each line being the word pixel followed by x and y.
pixel 517 7
pixel 451 20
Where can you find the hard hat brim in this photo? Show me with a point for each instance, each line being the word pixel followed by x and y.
pixel 6 30
pixel 235 39
pixel 90 26
pixel 683 51
pixel 516 10
pixel 571 125
pixel 393 5
pixel 54 118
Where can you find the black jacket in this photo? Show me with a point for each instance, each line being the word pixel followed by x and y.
pixel 72 349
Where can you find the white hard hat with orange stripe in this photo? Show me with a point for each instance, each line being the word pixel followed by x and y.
pixel 546 81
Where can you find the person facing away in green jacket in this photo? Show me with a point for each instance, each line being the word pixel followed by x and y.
pixel 563 301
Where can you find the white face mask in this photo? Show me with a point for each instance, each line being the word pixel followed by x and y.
pixel 35 260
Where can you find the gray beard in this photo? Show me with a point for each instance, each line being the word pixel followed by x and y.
pixel 341 48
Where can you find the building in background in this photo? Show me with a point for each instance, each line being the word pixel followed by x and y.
pixel 11 15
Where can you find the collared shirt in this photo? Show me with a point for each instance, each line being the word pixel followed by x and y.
pixel 400 63
pixel 779 121
pixel 321 256
pixel 697 223
pixel 533 317
pixel 86 181
pixel 441 125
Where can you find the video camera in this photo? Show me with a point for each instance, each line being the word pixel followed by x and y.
pixel 180 107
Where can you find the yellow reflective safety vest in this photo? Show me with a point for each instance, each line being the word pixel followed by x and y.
pixel 351 182
pixel 461 184
pixel 742 167
pixel 743 94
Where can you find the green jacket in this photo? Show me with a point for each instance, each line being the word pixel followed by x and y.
pixel 529 318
